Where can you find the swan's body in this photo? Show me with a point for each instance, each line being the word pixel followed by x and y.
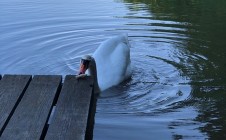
pixel 110 64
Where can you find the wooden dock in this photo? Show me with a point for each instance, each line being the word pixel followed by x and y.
pixel 42 107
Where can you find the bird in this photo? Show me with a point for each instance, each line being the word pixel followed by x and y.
pixel 109 65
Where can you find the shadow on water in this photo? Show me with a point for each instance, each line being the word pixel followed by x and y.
pixel 203 54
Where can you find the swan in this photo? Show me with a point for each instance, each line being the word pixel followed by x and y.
pixel 109 65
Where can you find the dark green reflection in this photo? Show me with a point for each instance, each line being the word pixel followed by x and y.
pixel 205 52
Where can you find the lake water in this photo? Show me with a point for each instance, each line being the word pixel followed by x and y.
pixel 178 53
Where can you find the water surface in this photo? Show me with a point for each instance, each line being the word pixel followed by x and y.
pixel 178 50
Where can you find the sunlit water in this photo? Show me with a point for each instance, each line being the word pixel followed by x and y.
pixel 177 89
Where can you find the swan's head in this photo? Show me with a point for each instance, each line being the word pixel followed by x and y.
pixel 85 63
pixel 88 62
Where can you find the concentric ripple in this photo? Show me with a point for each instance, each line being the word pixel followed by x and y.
pixel 50 37
pixel 53 44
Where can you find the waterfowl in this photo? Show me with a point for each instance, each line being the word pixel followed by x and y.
pixel 109 65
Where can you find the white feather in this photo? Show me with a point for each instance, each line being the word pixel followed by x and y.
pixel 113 61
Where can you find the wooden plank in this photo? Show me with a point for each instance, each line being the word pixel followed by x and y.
pixel 30 117
pixel 72 109
pixel 12 88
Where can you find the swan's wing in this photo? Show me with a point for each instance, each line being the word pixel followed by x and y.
pixel 113 69
pixel 113 61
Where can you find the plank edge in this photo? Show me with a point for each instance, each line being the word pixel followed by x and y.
pixel 17 102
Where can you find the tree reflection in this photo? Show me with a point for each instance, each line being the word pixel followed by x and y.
pixel 206 29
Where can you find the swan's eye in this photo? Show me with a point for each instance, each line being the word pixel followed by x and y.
pixel 85 62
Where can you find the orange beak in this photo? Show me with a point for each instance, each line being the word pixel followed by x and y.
pixel 82 69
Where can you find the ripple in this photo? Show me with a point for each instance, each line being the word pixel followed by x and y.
pixel 148 92
pixel 48 43
pixel 54 45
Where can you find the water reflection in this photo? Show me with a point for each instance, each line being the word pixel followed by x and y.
pixel 203 54
pixel 178 55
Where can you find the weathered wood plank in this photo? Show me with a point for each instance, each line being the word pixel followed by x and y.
pixel 12 88
pixel 91 119
pixel 31 115
pixel 72 109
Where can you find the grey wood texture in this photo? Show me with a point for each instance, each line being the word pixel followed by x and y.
pixel 12 88
pixel 72 110
pixel 30 117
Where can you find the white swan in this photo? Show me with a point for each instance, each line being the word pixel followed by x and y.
pixel 110 64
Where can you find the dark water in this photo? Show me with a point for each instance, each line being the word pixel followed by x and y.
pixel 177 89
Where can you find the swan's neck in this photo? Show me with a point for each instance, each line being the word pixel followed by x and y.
pixel 93 73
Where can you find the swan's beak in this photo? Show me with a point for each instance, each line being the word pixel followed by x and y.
pixel 82 69
pixel 83 66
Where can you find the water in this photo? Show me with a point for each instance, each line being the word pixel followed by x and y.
pixel 177 89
